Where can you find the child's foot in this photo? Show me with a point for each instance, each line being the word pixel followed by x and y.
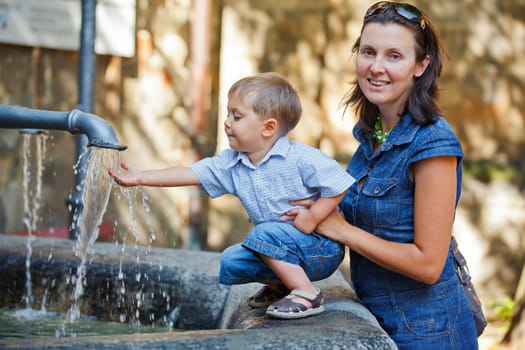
pixel 267 295
pixel 287 308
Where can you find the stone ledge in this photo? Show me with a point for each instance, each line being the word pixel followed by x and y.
pixel 344 325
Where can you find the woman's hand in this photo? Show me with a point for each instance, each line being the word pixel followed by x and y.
pixel 292 214
pixel 127 178
pixel 304 221
pixel 333 226
pixel 330 227
pixel 301 218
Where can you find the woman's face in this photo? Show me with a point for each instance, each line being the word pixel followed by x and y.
pixel 386 64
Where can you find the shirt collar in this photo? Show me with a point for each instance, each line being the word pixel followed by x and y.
pixel 404 132
pixel 280 148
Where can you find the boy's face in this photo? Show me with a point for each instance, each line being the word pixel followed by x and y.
pixel 243 127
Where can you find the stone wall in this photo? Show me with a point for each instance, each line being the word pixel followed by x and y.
pixel 147 99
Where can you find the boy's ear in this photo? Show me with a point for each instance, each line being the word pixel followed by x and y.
pixel 271 126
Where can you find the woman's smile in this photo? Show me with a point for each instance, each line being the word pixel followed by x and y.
pixel 378 83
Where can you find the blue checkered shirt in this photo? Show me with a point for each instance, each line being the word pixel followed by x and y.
pixel 290 171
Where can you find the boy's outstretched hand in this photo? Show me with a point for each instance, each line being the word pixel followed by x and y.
pixel 126 178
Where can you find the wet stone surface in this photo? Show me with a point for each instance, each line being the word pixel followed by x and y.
pixel 166 285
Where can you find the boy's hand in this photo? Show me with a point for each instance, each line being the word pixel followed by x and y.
pixel 127 178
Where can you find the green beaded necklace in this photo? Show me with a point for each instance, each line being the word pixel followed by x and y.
pixel 379 135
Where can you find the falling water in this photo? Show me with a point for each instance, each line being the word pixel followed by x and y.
pixel 32 184
pixel 130 196
pixel 152 236
pixel 96 189
pixel 95 197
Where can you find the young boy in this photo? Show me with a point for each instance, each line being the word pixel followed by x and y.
pixel 266 171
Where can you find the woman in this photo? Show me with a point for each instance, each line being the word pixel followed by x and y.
pixel 398 216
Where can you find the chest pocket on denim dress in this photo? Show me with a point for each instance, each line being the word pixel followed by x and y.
pixel 379 202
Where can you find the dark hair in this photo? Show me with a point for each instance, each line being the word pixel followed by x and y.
pixel 422 99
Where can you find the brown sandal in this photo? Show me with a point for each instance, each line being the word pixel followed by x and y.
pixel 286 308
pixel 267 295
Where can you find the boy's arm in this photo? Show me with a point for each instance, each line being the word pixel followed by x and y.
pixel 169 177
pixel 306 220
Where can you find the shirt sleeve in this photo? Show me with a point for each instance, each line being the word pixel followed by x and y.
pixel 437 140
pixel 214 174
pixel 324 173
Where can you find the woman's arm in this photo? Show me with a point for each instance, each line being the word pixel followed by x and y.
pixel 423 260
pixel 169 177
pixel 306 220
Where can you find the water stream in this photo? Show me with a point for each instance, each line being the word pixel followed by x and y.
pixel 95 189
pixel 95 197
pixel 96 192
pixel 130 195
pixel 32 195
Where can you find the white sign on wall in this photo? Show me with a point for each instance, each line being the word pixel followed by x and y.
pixel 56 24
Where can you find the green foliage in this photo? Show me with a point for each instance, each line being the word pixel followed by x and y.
pixel 503 311
pixel 488 171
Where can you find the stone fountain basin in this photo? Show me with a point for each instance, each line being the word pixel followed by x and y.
pixel 154 286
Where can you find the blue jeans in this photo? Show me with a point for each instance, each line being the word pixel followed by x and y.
pixel 437 317
pixel 317 255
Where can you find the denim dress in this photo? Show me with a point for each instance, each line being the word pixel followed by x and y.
pixel 416 315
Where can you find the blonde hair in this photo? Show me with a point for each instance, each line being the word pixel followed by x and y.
pixel 271 95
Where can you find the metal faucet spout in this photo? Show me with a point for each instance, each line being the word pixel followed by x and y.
pixel 97 130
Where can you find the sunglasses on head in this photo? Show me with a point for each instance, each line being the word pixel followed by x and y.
pixel 407 11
